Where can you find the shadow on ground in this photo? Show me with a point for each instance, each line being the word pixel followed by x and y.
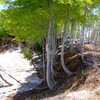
pixel 72 83
pixel 69 83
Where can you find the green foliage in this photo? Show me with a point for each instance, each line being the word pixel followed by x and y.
pixel 38 48
pixel 3 33
pixel 27 54
pixel 26 24
pixel 31 20
pixel 1 1
pixel 28 20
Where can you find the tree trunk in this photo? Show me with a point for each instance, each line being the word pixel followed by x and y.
pixel 44 66
pixel 82 45
pixel 49 57
pixel 72 37
pixel 62 49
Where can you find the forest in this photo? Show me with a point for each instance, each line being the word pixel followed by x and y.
pixel 52 32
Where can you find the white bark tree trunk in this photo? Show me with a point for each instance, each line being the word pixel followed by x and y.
pixel 48 53
pixel 82 44
pixel 50 56
pixel 62 49
pixel 72 37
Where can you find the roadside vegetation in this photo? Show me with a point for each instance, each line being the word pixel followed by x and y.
pixel 53 30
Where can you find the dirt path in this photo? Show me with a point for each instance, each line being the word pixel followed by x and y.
pixel 16 65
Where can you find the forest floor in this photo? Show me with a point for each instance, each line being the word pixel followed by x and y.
pixel 85 85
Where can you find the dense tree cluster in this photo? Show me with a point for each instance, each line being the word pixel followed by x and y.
pixel 44 21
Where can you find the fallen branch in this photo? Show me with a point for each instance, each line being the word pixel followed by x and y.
pixel 9 75
pixel 5 80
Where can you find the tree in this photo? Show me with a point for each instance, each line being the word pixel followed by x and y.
pixel 35 21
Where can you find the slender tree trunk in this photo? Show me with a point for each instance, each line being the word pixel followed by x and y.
pixel 62 49
pixel 82 45
pixel 49 57
pixel 51 51
pixel 2 42
pixel 80 37
pixel 72 37
pixel 44 66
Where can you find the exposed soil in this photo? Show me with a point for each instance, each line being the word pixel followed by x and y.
pixel 84 85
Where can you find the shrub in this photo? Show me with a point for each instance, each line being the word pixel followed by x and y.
pixel 27 54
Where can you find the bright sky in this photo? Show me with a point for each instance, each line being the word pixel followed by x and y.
pixel 1 7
